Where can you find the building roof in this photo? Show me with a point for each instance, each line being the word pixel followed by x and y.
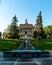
pixel 26 25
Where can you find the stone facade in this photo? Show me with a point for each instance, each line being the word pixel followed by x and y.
pixel 26 30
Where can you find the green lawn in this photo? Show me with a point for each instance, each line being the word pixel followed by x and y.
pixel 42 44
pixel 6 45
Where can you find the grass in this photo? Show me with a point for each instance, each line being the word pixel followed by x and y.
pixel 42 44
pixel 7 45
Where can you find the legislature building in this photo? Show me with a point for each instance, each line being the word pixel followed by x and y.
pixel 27 30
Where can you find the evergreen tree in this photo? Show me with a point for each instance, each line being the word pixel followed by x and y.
pixel 13 29
pixel 35 34
pixel 39 26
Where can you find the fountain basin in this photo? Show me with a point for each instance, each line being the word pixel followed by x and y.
pixel 26 54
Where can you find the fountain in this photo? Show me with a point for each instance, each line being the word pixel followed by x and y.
pixel 26 53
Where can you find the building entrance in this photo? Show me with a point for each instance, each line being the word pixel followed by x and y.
pixel 25 32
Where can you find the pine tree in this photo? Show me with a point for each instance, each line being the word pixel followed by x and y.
pixel 13 29
pixel 39 26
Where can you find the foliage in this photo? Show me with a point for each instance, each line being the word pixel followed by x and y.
pixel 42 35
pixel 48 31
pixel 35 34
pixel 39 33
pixel 12 29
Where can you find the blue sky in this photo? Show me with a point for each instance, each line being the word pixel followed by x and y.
pixel 24 9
